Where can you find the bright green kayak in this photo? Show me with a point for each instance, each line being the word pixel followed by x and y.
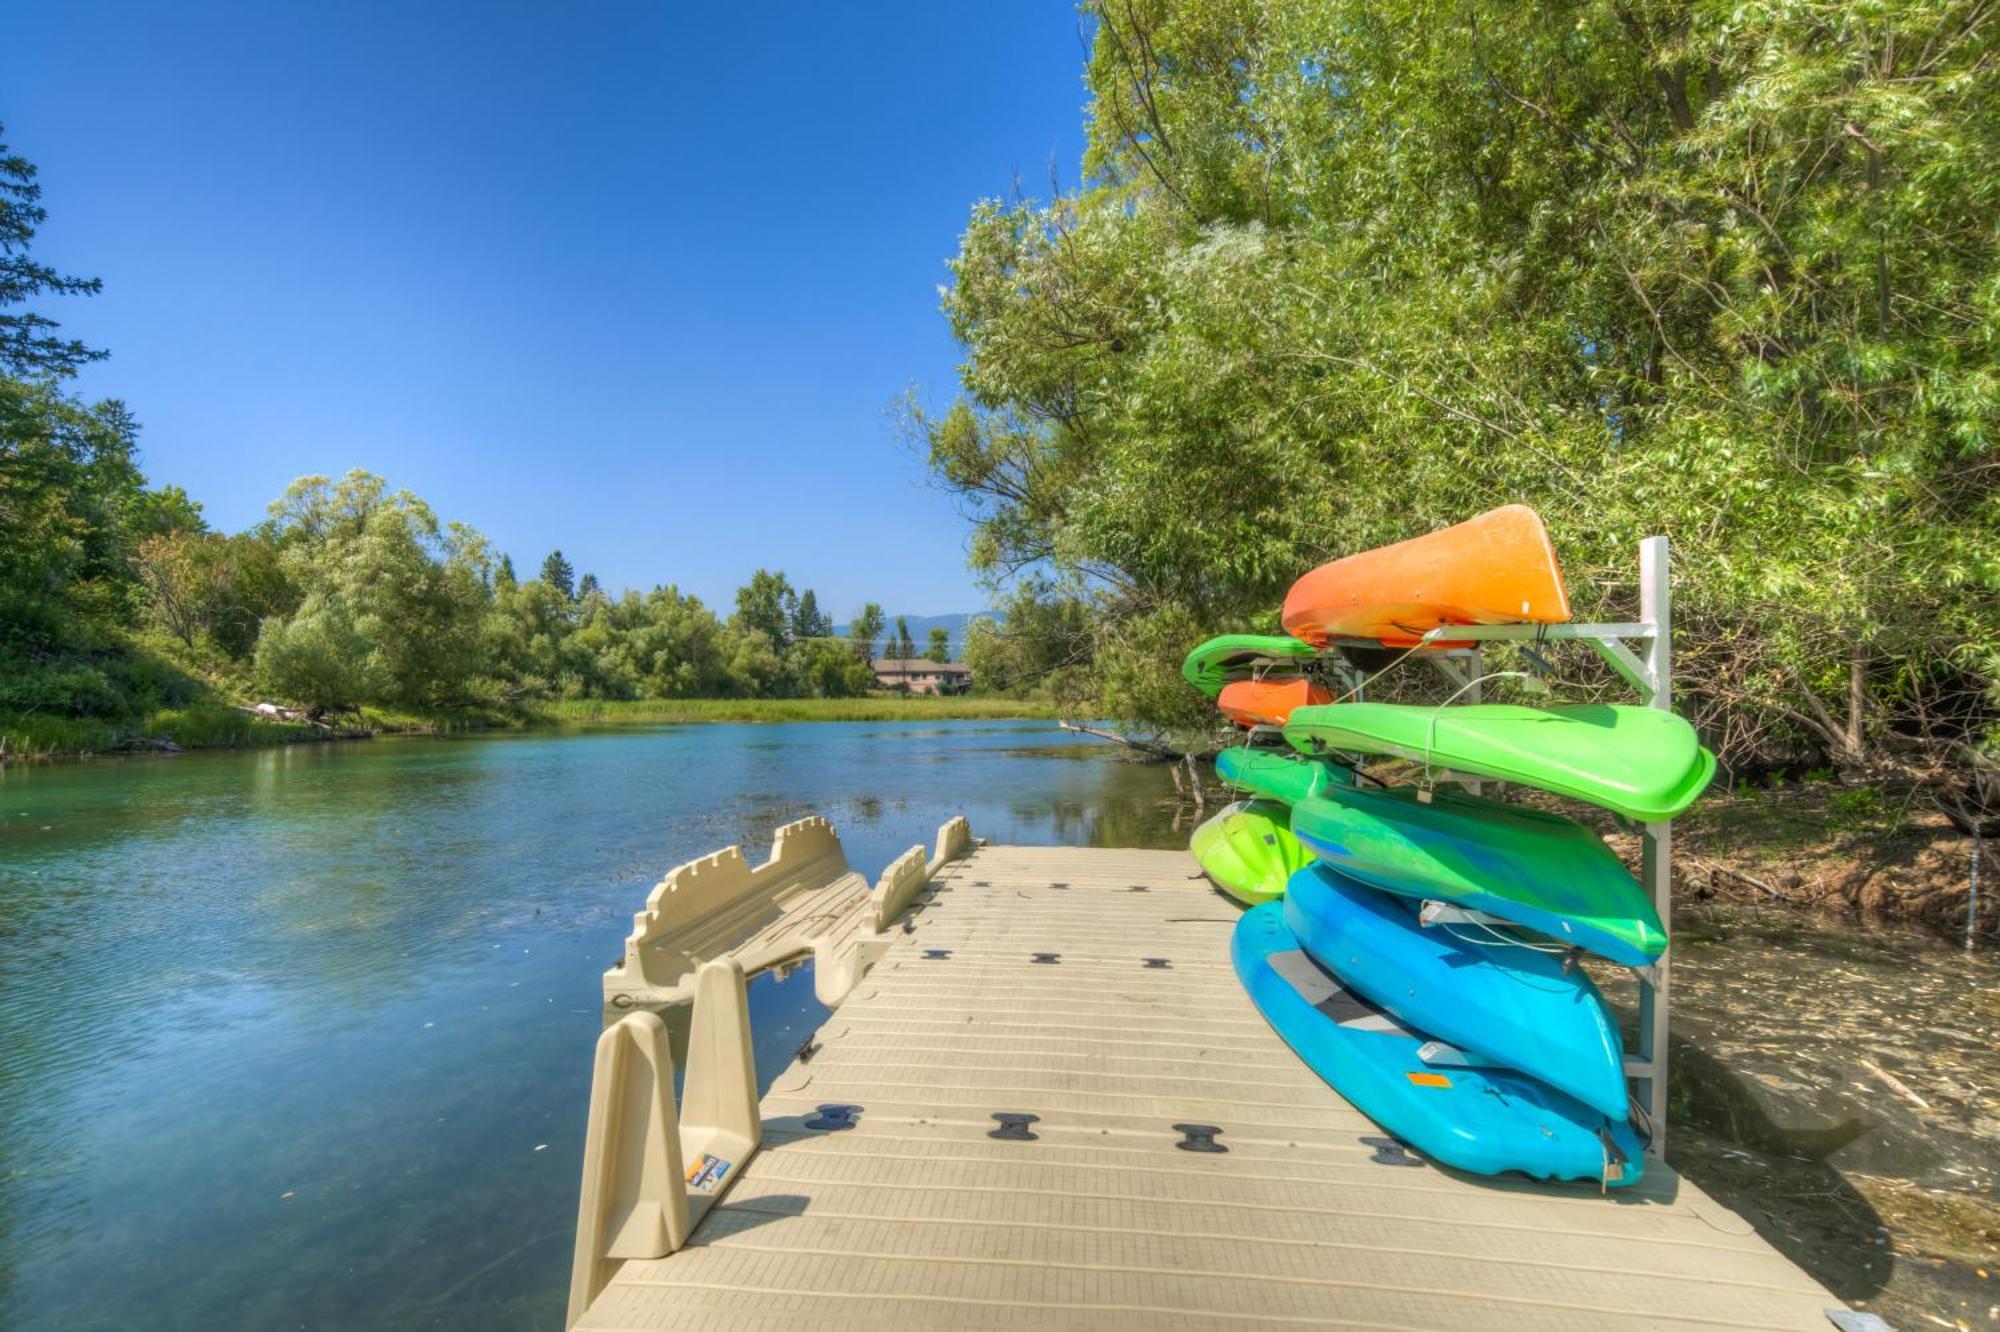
pixel 1285 778
pixel 1233 656
pixel 1542 871
pixel 1644 763
pixel 1249 851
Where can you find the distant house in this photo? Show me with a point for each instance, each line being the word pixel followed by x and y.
pixel 921 675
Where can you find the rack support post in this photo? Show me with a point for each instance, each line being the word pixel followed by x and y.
pixel 1656 611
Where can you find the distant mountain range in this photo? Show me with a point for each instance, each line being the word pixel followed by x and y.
pixel 921 626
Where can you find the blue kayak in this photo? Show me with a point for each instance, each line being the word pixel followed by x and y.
pixel 1484 1120
pixel 1516 1006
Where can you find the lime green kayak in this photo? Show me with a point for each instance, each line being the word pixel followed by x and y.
pixel 1644 763
pixel 1538 870
pixel 1249 851
pixel 1234 656
pixel 1285 778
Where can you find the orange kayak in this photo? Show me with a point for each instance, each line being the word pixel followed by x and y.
pixel 1267 702
pixel 1497 568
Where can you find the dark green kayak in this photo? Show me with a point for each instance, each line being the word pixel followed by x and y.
pixel 1235 656
pixel 1285 778
pixel 1249 852
pixel 1542 871
pixel 1644 763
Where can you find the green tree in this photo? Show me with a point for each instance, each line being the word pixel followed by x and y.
pixel 319 658
pixel 940 645
pixel 558 574
pixel 865 628
pixel 379 568
pixel 71 497
pixel 807 621
pixel 29 346
pixel 1043 643
pixel 905 650
pixel 1343 273
pixel 503 573
pixel 767 605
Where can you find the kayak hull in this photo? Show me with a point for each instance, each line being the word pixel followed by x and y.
pixel 1268 702
pixel 1644 763
pixel 1484 1120
pixel 1285 778
pixel 1498 568
pixel 1517 1006
pixel 1227 657
pixel 1538 870
pixel 1248 851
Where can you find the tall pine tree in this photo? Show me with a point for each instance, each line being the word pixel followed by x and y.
pixel 558 573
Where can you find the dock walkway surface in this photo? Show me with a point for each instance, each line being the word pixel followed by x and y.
pixel 1092 990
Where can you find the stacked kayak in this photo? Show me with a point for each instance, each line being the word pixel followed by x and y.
pixel 1644 763
pixel 1285 778
pixel 1258 681
pixel 1249 852
pixel 1421 950
pixel 1229 657
pixel 1498 568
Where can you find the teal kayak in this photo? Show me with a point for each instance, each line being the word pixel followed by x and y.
pixel 1517 1007
pixel 1644 763
pixel 1248 851
pixel 1236 656
pixel 1485 1120
pixel 1538 870
pixel 1286 778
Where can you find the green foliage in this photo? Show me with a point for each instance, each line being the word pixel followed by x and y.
pixel 767 605
pixel 72 505
pixel 1042 643
pixel 29 346
pixel 319 657
pixel 864 629
pixel 383 573
pixel 940 645
pixel 1345 273
pixel 557 573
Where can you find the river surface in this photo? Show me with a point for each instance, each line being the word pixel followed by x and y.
pixel 301 1037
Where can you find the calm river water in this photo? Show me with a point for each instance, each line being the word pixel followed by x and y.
pixel 301 1037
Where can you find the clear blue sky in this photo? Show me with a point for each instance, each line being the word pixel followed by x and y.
pixel 639 280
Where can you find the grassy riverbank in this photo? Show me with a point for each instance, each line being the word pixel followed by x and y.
pixel 888 707
pixel 219 726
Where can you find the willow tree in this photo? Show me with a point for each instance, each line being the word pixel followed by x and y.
pixel 1344 273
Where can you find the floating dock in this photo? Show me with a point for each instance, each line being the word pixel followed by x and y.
pixel 1043 1101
